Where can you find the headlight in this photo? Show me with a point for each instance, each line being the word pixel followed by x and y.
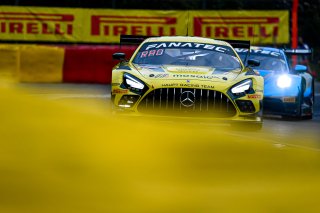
pixel 242 87
pixel 284 81
pixel 133 84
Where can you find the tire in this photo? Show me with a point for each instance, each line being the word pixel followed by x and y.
pixel 300 115
pixel 260 114
pixel 311 102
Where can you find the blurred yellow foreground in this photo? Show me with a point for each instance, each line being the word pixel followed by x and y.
pixel 60 158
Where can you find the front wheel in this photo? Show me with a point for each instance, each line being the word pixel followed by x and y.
pixel 310 103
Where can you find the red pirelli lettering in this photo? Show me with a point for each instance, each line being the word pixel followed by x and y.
pixel 36 16
pixel 239 27
pixel 45 29
pixel 3 27
pixel 15 27
pixel 237 20
pixel 36 23
pixel 134 25
pixel 32 28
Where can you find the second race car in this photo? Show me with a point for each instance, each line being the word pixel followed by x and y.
pixel 288 92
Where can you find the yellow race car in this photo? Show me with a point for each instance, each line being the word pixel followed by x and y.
pixel 186 76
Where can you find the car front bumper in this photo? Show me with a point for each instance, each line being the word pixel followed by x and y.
pixel 286 106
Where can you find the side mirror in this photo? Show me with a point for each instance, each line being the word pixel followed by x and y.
pixel 253 63
pixel 119 56
pixel 300 68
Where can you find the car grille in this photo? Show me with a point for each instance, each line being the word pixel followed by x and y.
pixel 187 102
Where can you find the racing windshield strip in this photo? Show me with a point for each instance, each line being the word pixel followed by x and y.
pixel 188 53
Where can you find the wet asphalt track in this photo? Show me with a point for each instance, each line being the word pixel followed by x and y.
pixel 275 130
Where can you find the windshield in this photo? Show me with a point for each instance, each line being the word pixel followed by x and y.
pixel 269 60
pixel 219 57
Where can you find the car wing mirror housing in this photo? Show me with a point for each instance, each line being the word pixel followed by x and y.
pixel 300 68
pixel 119 56
pixel 253 63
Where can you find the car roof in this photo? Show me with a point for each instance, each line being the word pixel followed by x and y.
pixel 187 39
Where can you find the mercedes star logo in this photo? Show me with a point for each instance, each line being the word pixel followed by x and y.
pixel 187 98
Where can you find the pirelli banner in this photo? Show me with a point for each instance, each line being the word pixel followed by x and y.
pixel 35 24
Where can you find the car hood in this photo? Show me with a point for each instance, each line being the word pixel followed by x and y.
pixel 153 72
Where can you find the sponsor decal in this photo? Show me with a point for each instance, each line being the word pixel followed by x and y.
pixel 207 86
pixel 187 45
pixel 36 23
pixel 189 85
pixel 254 96
pixel 158 75
pixel 260 27
pixel 170 85
pixel 289 99
pixel 194 76
pixel 120 91
pixel 146 53
pixel 236 27
pixel 258 52
pixel 116 25
pixel 188 69
pixel 162 76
